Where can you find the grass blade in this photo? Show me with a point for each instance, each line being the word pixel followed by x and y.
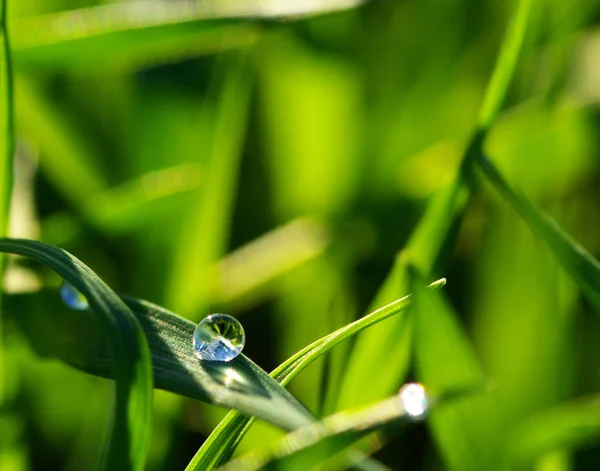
pixel 312 445
pixel 506 64
pixel 221 443
pixel 446 362
pixel 77 340
pixel 130 429
pixel 133 34
pixel 576 261
pixel 6 147
pixel 563 427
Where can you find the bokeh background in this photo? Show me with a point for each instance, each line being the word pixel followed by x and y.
pixel 273 169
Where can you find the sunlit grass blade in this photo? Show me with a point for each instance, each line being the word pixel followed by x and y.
pixel 322 441
pixel 68 160
pixel 564 427
pixel 506 63
pixel 576 261
pixel 446 362
pixel 76 339
pixel 147 32
pixel 125 342
pixel 221 443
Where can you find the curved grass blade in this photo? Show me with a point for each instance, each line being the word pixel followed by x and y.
pixel 563 427
pixel 127 345
pixel 225 437
pixel 58 332
pixel 576 261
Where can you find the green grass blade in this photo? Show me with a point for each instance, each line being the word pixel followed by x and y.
pixel 68 160
pixel 127 35
pixel 446 363
pixel 576 261
pixel 6 148
pixel 431 243
pixel 77 340
pixel 564 427
pixel 321 441
pixel 506 63
pixel 130 429
pixel 221 443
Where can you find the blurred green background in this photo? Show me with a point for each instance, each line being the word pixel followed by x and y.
pixel 272 170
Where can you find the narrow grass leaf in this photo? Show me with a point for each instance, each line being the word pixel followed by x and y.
pixel 148 32
pixel 576 261
pixel 68 160
pixel 77 340
pixel 506 63
pixel 6 149
pixel 446 362
pixel 126 346
pixel 564 427
pixel 225 437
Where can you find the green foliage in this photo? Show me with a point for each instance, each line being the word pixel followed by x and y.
pixel 130 430
pixel 293 163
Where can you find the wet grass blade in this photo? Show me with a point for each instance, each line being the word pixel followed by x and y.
pixel 225 437
pixel 576 261
pixel 126 344
pixel 76 339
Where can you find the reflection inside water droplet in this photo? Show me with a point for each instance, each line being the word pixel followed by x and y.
pixel 414 399
pixel 73 298
pixel 219 337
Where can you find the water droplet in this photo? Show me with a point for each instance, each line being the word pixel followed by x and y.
pixel 219 337
pixel 415 400
pixel 73 298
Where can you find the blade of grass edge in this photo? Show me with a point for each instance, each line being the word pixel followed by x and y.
pixel 225 437
pixel 131 422
pixel 6 151
pixel 446 362
pixel 576 261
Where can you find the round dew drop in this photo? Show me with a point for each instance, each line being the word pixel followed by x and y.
pixel 219 337
pixel 73 298
pixel 414 400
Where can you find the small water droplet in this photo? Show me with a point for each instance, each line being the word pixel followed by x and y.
pixel 415 400
pixel 73 298
pixel 219 337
